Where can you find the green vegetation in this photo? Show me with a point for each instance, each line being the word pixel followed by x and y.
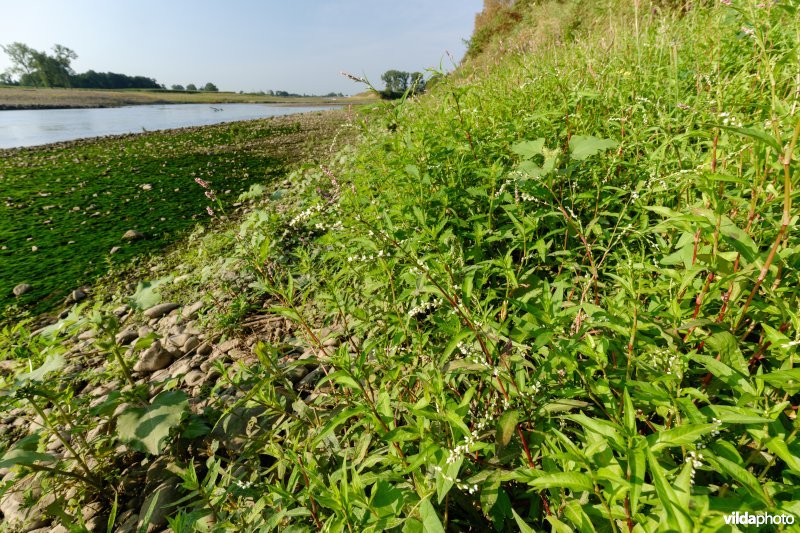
pixel 36 68
pixel 74 202
pixel 398 82
pixel 559 292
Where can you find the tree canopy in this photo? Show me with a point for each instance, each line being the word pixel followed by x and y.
pixel 398 82
pixel 37 68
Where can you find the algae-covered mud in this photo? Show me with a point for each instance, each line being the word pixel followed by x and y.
pixel 66 208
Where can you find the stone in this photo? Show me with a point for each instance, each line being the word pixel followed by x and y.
pixel 21 289
pixel 191 343
pixel 88 334
pixel 228 345
pixel 113 250
pixel 126 337
pixel 132 235
pixel 190 311
pixel 76 296
pixel 121 310
pixel 205 348
pixel 154 358
pixel 15 515
pixel 179 368
pixel 193 378
pixel 157 311
pixel 157 506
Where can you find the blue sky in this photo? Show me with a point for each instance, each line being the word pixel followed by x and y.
pixel 295 45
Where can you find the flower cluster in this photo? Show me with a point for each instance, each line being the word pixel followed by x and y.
pixel 718 423
pixel 695 461
pixel 424 307
pixel 460 450
pixel 305 214
pixel 727 118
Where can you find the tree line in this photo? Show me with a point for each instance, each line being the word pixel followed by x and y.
pixel 36 68
pixel 399 81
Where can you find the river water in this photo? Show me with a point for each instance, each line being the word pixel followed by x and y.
pixel 44 126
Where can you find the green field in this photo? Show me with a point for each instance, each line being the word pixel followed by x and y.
pixel 74 201
pixel 39 98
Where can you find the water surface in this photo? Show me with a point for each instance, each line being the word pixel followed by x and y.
pixel 44 126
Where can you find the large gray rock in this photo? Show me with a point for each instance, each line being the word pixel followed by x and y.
pixel 154 358
pixel 157 311
pixel 21 289
pixel 16 516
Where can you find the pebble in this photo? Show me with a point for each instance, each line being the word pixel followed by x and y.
pixel 157 311
pixel 154 358
pixel 126 337
pixel 132 235
pixel 21 289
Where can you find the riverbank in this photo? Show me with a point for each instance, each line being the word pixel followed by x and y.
pixel 18 98
pixel 67 206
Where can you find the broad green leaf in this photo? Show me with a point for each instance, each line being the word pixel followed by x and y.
pixel 528 149
pixel 584 146
pixel 676 517
pixel 52 363
pixel 637 469
pixel 629 413
pixel 147 295
pixel 778 446
pixel 147 428
pixel 574 481
pixel 740 475
pixel 788 380
pixel 430 518
pixel 18 456
pixel 506 425
pixel 521 524
pixel 679 436
pixel 733 378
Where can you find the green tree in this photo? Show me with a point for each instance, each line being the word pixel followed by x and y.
pixel 39 68
pixel 396 83
pixel 178 88
pixel 210 87
pixel 191 87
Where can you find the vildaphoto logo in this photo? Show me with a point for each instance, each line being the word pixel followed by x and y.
pixel 747 519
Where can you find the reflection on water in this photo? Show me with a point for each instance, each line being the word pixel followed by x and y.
pixel 44 126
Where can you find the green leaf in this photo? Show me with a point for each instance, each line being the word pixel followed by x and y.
pixel 147 428
pixel 52 363
pixel 430 519
pixel 757 134
pixel 733 378
pixel 638 468
pixel 146 295
pixel 742 476
pixel 24 457
pixel 521 524
pixel 676 517
pixel 679 436
pixel 506 425
pixel 778 446
pixel 529 149
pixel 574 481
pixel 788 380
pixel 584 146
pixel 629 413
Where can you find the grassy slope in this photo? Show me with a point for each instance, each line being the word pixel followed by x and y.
pixel 564 291
pixel 568 268
pixel 32 98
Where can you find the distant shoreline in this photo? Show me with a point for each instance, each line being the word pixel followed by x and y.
pixel 27 98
